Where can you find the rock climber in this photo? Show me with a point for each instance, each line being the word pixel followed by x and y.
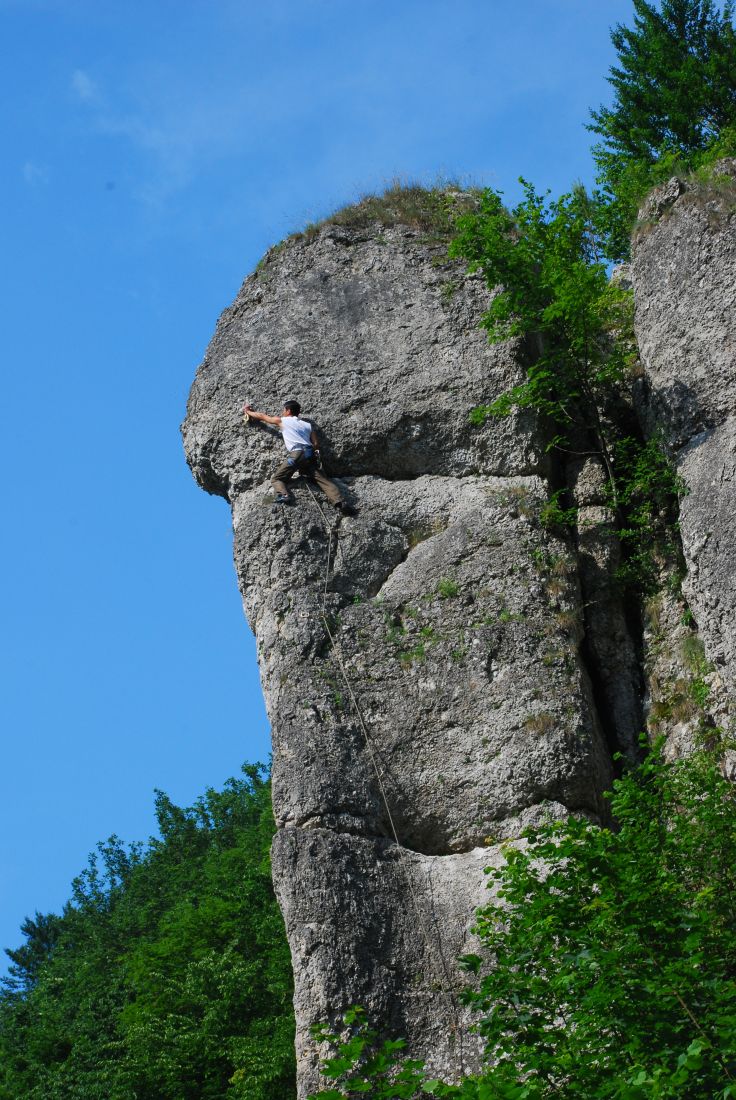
pixel 302 447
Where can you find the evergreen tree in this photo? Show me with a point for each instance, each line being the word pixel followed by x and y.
pixel 674 105
pixel 675 82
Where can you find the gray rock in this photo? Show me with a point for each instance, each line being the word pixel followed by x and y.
pixel 725 167
pixel 349 940
pixel 685 289
pixel 441 670
pixel 672 650
pixel 454 707
pixel 476 700
pixel 378 334
pixel 661 199
pixel 708 525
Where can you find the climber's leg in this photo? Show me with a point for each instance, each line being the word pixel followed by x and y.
pixel 327 485
pixel 284 473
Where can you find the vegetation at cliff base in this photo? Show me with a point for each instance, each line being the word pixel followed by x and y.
pixel 609 972
pixel 167 976
pixel 609 969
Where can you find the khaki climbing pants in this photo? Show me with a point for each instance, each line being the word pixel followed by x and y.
pixel 307 467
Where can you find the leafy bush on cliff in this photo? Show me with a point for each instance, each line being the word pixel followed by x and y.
pixel 610 971
pixel 167 976
pixel 544 262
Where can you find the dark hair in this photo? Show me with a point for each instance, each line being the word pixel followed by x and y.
pixel 293 407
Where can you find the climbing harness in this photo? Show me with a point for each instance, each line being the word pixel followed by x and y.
pixel 299 455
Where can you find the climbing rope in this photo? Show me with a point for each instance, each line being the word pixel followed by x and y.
pixel 443 979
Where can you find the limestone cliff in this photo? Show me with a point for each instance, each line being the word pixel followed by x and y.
pixel 684 274
pixel 439 669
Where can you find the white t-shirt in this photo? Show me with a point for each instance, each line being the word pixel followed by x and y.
pixel 296 432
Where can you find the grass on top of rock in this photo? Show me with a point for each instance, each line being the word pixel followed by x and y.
pixel 403 202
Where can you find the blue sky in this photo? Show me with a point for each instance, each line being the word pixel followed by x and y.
pixel 152 152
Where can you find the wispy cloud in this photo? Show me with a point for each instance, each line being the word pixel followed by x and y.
pixel 270 104
pixel 178 133
pixel 34 174
pixel 84 86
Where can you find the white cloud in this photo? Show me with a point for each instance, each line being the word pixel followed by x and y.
pixel 84 86
pixel 35 175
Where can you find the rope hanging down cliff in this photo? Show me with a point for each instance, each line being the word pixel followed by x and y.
pixel 442 975
pixel 302 446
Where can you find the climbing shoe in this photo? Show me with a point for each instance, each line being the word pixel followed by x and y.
pixel 344 509
pixel 281 498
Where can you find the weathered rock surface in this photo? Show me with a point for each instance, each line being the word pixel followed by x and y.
pixel 455 706
pixel 684 272
pixel 380 339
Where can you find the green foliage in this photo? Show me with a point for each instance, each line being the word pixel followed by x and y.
pixel 624 184
pixel 447 588
pixel 647 485
pixel 609 969
pixel 674 105
pixel 615 953
pixel 167 976
pixel 365 1064
pixel 411 644
pixel 544 264
pixel 544 261
pixel 554 514
pixel 693 652
pixel 675 81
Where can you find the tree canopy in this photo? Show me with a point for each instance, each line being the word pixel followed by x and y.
pixel 674 104
pixel 675 81
pixel 167 976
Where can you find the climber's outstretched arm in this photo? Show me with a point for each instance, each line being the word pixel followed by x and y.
pixel 262 416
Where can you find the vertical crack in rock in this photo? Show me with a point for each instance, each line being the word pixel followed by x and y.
pixel 610 647
pixel 458 618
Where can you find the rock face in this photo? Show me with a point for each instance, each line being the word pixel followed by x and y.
pixel 684 273
pixel 440 670
pixel 422 663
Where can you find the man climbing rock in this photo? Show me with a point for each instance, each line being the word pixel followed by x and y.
pixel 302 447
